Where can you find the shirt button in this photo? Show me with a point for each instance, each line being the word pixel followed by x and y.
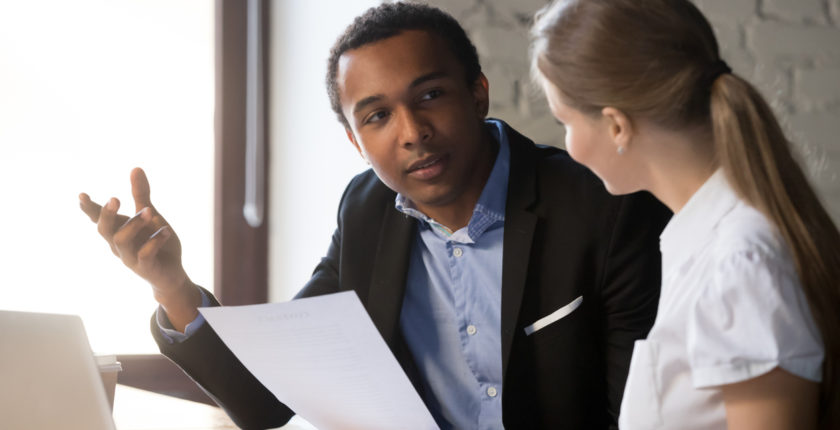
pixel 457 252
pixel 491 391
pixel 471 330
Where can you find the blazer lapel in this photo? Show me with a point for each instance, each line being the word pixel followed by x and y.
pixel 390 268
pixel 520 223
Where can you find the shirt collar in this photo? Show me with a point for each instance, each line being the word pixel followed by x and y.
pixel 690 227
pixel 490 207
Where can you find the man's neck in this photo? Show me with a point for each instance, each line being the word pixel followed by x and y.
pixel 457 214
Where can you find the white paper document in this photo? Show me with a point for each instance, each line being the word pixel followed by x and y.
pixel 323 357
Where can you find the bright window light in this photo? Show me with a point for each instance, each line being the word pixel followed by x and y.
pixel 88 90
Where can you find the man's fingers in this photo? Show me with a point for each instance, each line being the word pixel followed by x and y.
pixel 126 237
pixel 107 217
pixel 148 252
pixel 140 189
pixel 89 207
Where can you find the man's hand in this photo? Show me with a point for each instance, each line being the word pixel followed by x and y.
pixel 148 246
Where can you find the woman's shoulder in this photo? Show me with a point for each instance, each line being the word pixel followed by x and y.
pixel 749 257
pixel 752 315
pixel 745 235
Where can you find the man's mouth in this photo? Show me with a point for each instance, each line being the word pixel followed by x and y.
pixel 429 167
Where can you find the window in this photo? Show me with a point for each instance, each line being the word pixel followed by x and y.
pixel 90 89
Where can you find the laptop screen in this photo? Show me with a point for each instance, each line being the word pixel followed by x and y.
pixel 49 376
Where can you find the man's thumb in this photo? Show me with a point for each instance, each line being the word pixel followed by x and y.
pixel 140 189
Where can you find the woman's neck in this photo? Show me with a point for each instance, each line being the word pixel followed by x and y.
pixel 678 165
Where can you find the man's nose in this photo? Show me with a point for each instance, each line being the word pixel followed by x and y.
pixel 414 128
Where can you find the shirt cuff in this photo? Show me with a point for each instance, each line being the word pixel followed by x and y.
pixel 174 336
pixel 712 376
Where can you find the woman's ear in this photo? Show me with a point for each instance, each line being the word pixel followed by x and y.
pixel 619 128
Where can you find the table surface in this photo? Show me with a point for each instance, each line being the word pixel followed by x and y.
pixel 136 409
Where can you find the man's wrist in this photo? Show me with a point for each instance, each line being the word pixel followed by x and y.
pixel 181 305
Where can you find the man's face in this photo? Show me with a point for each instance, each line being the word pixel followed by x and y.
pixel 413 117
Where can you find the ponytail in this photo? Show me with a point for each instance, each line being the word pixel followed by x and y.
pixel 756 158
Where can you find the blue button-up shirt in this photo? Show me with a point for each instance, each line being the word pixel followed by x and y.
pixel 451 314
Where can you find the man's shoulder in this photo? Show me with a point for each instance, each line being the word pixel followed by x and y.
pixel 366 193
pixel 544 157
pixel 551 166
pixel 555 165
pixel 367 183
pixel 562 182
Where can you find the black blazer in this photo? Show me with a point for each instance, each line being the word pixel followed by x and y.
pixel 564 237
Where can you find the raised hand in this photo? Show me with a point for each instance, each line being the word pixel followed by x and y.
pixel 147 245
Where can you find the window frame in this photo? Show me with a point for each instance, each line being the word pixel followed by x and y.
pixel 240 250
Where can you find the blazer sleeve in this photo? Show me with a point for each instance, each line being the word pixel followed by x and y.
pixel 630 286
pixel 209 362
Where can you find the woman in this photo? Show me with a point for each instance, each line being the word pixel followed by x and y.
pixel 749 318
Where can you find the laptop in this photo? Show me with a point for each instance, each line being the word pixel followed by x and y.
pixel 48 375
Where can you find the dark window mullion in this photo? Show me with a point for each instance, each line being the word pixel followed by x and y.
pixel 241 251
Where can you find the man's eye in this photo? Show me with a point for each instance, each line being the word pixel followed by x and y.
pixel 376 117
pixel 433 94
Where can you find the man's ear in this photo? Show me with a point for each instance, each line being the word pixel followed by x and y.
pixel 619 127
pixel 352 138
pixel 481 93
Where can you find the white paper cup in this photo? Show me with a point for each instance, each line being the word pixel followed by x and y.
pixel 108 369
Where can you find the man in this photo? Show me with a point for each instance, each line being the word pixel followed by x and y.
pixel 509 285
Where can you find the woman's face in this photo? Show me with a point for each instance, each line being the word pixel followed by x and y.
pixel 590 142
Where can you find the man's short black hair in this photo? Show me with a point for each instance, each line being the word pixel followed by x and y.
pixel 389 19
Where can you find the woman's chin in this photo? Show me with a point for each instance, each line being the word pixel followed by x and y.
pixel 618 188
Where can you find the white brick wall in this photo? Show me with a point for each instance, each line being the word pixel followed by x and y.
pixel 790 49
pixel 817 89
pixel 775 41
pixel 728 10
pixel 834 6
pixel 803 11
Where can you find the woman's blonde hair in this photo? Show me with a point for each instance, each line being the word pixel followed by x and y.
pixel 659 60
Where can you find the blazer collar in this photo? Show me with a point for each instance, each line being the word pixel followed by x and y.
pixel 390 269
pixel 520 222
pixel 387 286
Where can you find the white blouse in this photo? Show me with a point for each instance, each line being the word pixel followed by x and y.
pixel 731 309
